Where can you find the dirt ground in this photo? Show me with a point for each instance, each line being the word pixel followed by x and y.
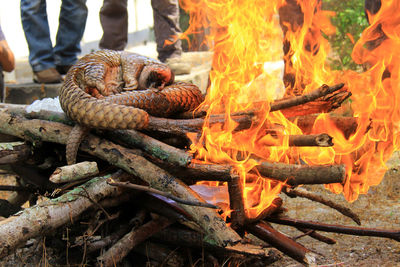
pixel 378 209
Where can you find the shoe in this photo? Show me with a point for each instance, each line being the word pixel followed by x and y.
pixel 50 75
pixel 63 69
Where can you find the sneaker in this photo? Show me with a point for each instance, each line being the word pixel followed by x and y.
pixel 63 69
pixel 50 75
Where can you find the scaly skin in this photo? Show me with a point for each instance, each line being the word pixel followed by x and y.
pixel 118 90
pixel 117 75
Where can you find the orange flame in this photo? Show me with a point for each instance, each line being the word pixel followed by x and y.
pixel 246 38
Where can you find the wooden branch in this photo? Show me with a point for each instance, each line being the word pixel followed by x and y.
pixel 152 146
pixel 348 125
pixel 236 201
pixel 321 140
pixel 182 127
pixel 48 216
pixel 317 236
pixel 283 243
pixel 14 152
pixel 322 105
pixel 302 174
pixel 120 249
pixel 348 230
pixel 299 100
pixel 292 174
pixel 301 192
pixel 71 173
pixel 161 193
pixel 127 160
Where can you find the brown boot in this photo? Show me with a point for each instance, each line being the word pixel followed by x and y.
pixel 50 75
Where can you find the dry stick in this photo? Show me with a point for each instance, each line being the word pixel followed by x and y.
pixel 120 249
pixel 322 105
pixel 301 192
pixel 299 100
pixel 158 192
pixel 317 236
pixel 302 174
pixel 280 241
pixel 127 160
pixel 71 173
pixel 322 140
pixel 348 230
pixel 14 152
pixel 152 146
pixel 44 218
pixel 236 202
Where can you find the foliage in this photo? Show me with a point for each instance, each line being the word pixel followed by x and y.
pixel 350 19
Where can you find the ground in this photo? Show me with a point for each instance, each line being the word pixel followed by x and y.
pixel 377 209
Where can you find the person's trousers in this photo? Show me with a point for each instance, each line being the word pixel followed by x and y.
pixel 72 21
pixel 114 21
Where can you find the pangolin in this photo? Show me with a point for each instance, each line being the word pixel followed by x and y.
pixel 118 90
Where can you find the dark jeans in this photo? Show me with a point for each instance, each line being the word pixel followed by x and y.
pixel 71 26
pixel 114 20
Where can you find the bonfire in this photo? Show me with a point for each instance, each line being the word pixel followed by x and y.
pixel 267 126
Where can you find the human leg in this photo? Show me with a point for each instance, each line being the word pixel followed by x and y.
pixel 37 34
pixel 114 21
pixel 166 27
pixel 71 27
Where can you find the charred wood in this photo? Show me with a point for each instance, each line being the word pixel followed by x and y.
pixel 283 243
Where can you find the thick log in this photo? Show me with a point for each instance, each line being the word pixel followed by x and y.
pixel 71 173
pixel 127 160
pixel 302 174
pixel 120 249
pixel 283 243
pixel 48 216
pixel 348 230
pixel 322 140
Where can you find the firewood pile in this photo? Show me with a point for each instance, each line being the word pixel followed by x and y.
pixel 130 192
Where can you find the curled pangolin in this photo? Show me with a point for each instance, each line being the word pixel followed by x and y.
pixel 118 90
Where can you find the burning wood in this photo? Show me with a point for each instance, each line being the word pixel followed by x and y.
pixel 241 148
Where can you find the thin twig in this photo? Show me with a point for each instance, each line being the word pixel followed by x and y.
pixel 155 191
pixel 301 192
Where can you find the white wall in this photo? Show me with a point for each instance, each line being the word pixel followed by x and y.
pixel 140 17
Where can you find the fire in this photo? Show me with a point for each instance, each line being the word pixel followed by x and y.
pixel 247 39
